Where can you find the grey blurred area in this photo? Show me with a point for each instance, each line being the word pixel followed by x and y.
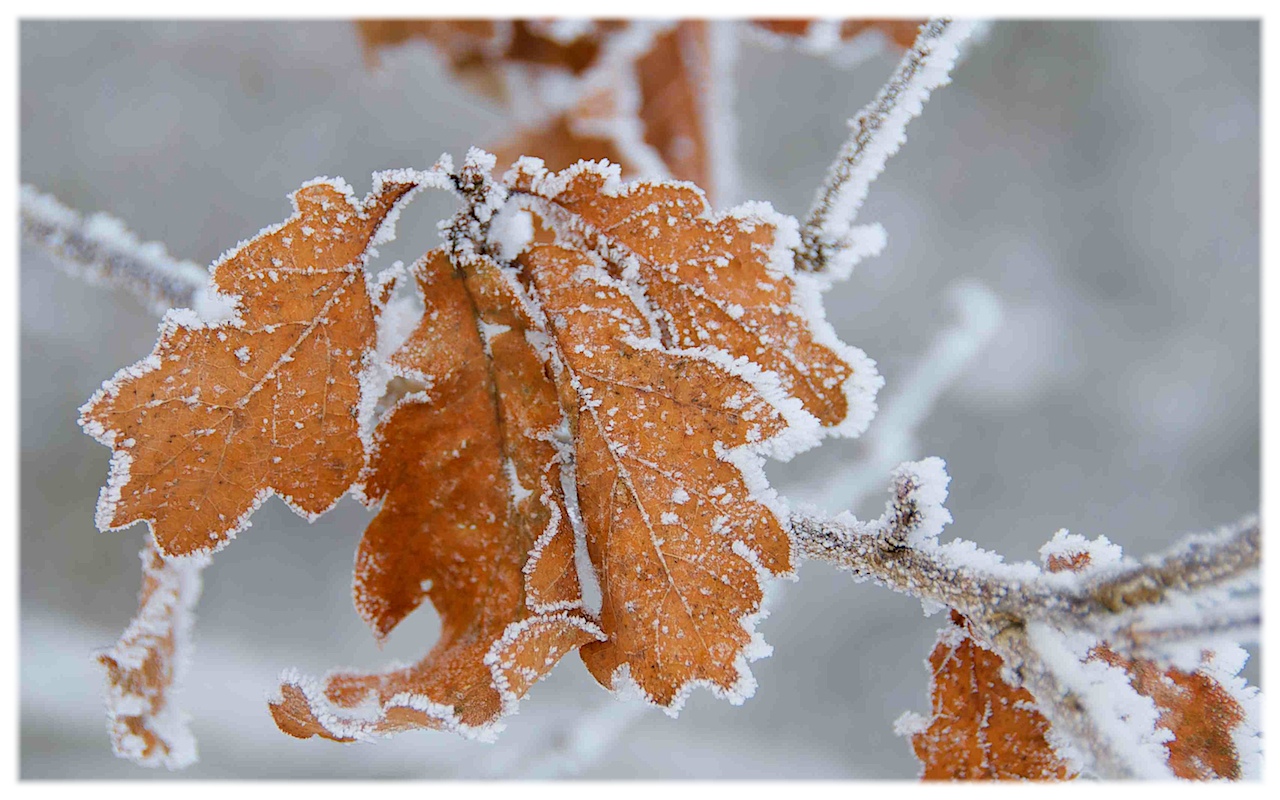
pixel 1100 179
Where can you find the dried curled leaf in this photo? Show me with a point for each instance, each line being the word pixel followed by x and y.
pixel 472 515
pixel 468 42
pixel 679 531
pixel 224 413
pixel 585 131
pixel 722 281
pixel 980 727
pixel 675 81
pixel 145 665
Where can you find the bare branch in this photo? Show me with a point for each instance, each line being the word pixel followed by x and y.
pixel 828 240
pixel 101 250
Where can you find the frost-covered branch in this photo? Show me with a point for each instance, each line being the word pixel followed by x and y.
pixel 99 249
pixel 1201 562
pixel 1046 624
pixel 828 239
pixel 900 550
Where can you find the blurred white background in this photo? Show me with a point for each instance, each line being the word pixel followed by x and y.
pixel 1100 179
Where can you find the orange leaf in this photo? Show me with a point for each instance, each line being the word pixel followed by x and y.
pixel 565 139
pixel 144 665
pixel 723 281
pixel 497 41
pixel 679 532
pixel 473 510
pixel 478 49
pixel 1201 714
pixel 223 414
pixel 981 728
pixel 674 78
pixel 902 32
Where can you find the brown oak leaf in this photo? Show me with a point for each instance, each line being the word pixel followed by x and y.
pixel 478 50
pixel 224 413
pixel 553 468
pixel 980 727
pixel 1201 714
pixel 680 533
pixel 143 667
pixel 473 515
pixel 585 131
pixel 725 281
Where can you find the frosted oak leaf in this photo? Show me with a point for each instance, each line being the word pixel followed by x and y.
pixel 472 515
pixel 650 96
pixel 821 36
pixel 980 727
pixel 474 45
pixel 225 412
pixel 723 281
pixel 678 522
pixel 1197 724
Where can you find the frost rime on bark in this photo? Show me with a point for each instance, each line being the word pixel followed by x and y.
pixel 830 242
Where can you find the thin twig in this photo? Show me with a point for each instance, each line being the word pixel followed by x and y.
pixel 100 250
pixel 1198 563
pixel 828 241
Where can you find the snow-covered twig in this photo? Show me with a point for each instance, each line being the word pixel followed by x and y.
pixel 828 239
pixel 100 249
pixel 901 551
pixel 1027 614
pixel 1200 562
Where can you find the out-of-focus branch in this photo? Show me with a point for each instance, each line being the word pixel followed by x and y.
pixel 828 239
pixel 99 249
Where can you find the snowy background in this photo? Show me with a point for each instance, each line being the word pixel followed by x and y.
pixel 1092 188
